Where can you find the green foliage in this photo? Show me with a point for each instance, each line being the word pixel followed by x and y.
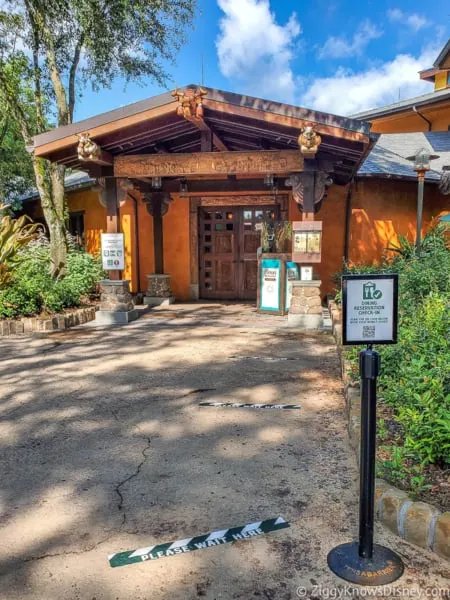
pixel 33 290
pixel 415 380
pixel 415 373
pixel 400 471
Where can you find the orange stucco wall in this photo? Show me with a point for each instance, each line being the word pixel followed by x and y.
pixel 409 122
pixel 94 217
pixel 382 210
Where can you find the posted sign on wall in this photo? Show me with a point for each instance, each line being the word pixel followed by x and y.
pixel 113 253
pixel 369 309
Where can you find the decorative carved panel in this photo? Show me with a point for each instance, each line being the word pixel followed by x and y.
pixel 208 163
pixel 242 200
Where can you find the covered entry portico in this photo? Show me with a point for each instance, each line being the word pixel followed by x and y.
pixel 189 176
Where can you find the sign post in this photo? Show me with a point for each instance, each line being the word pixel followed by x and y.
pixel 370 313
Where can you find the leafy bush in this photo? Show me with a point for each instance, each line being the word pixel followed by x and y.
pixel 32 289
pixel 414 383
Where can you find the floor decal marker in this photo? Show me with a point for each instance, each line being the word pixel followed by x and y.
pixel 208 540
pixel 264 358
pixel 243 405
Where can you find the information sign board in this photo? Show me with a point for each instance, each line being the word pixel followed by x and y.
pixel 113 252
pixel 369 309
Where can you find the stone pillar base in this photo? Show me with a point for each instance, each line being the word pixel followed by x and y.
pixel 305 311
pixel 155 301
pixel 305 321
pixel 108 317
pixel 158 290
pixel 116 303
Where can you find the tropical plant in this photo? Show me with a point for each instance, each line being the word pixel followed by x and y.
pixel 14 234
pixel 434 238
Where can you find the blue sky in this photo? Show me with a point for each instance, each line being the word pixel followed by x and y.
pixel 340 56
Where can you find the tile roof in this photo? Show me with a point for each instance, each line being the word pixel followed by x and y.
pixel 389 109
pixel 388 156
pixel 72 181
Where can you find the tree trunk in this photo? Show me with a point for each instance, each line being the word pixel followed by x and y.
pixel 50 184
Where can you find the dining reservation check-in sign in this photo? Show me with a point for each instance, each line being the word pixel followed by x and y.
pixel 369 307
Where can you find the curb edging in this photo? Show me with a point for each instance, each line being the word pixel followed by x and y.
pixel 58 322
pixel 419 523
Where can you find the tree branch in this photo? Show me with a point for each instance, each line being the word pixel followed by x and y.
pixel 4 130
pixel 55 75
pixel 72 74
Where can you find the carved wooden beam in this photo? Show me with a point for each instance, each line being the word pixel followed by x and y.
pixel 309 189
pixel 276 162
pixel 157 203
pixel 89 151
pixel 190 106
pixel 212 186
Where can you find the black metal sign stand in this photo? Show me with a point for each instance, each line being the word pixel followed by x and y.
pixel 366 563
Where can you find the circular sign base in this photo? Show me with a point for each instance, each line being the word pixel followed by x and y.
pixel 384 567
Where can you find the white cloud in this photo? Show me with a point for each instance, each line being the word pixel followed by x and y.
pixel 349 92
pixel 257 51
pixel 412 20
pixel 340 47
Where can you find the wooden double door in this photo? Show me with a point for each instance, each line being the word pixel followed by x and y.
pixel 229 238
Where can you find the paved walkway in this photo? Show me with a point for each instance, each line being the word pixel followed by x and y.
pixel 105 449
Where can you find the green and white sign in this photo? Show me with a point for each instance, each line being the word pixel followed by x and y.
pixel 113 252
pixel 270 285
pixel 370 309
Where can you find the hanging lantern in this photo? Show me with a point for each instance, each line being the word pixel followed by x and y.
pixel 444 184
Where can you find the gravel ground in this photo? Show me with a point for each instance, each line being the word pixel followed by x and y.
pixel 105 449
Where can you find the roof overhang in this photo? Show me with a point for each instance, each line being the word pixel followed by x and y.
pixel 238 122
pixel 443 60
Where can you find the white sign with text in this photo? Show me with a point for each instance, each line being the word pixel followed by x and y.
pixel 369 309
pixel 113 252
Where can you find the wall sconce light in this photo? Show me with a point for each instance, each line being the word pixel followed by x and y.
pixel 183 187
pixel 156 183
pixel 268 180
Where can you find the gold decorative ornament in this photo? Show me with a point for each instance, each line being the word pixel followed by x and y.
pixel 190 102
pixel 87 149
pixel 309 142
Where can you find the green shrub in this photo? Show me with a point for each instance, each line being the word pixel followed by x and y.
pixel 18 300
pixel 415 373
pixel 32 289
pixel 415 381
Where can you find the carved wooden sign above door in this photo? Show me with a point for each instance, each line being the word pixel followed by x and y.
pixel 208 163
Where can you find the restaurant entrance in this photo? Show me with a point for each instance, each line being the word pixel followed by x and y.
pixel 229 237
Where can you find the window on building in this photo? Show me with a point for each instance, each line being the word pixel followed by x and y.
pixel 76 227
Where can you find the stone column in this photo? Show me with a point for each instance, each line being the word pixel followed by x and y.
pixel 305 311
pixel 116 303
pixel 159 292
